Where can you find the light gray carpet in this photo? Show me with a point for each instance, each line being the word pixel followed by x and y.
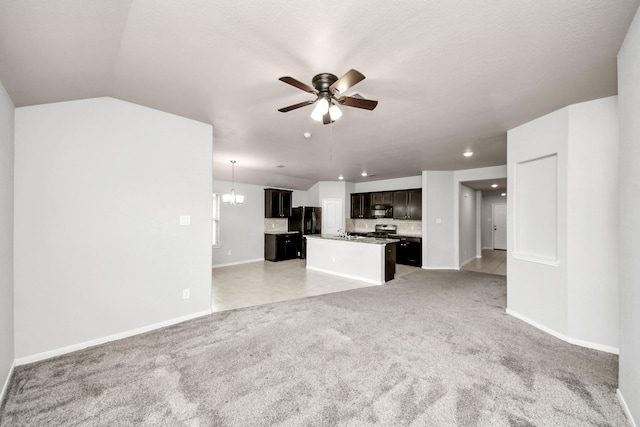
pixel 432 348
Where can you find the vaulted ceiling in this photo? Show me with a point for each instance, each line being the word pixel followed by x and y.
pixel 449 76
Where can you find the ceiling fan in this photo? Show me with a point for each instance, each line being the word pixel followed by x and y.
pixel 328 88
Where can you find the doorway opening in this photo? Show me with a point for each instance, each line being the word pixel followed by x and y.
pixel 483 225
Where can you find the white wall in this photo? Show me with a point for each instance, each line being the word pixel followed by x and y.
pixel 331 190
pixel 562 256
pixel 592 229
pixel 241 227
pixel 350 187
pixel 299 198
pixel 438 220
pixel 537 291
pixel 313 195
pixel 7 354
pixel 629 227
pixel 467 222
pixel 100 185
pixel 479 224
pixel 389 184
pixel 487 219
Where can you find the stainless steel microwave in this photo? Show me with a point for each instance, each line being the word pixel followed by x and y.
pixel 382 211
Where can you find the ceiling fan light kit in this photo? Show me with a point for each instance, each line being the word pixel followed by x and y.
pixel 327 87
pixel 321 108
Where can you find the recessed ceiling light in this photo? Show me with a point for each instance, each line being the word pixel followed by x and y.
pixel 494 185
pixel 363 174
pixel 468 153
pixel 503 194
pixel 307 135
pixel 341 177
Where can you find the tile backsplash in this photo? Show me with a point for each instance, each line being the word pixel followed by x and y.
pixel 405 227
pixel 276 224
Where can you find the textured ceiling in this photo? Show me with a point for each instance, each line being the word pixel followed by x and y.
pixel 449 75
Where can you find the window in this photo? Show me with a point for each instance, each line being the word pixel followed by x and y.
pixel 216 219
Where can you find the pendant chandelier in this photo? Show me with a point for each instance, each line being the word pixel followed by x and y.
pixel 233 198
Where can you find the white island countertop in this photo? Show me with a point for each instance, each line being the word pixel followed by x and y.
pixel 354 257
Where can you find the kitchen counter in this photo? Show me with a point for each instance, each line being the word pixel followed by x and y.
pixel 368 259
pixel 356 239
pixel 280 232
pixel 393 236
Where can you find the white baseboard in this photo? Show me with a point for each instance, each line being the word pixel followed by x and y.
pixel 6 382
pixel 69 349
pixel 625 408
pixel 570 340
pixel 237 263
pixel 424 267
pixel 469 260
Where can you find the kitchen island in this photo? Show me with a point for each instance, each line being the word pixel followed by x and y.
pixel 362 258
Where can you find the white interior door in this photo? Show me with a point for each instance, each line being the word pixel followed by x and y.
pixel 500 226
pixel 332 217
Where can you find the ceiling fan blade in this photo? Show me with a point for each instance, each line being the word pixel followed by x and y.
pixel 350 78
pixel 298 84
pixel 350 101
pixel 294 106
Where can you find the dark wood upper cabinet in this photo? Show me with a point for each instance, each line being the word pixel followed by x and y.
pixel 407 204
pixel 415 204
pixel 360 205
pixel 400 199
pixel 277 203
pixel 382 198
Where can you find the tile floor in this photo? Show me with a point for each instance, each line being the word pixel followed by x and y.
pixel 263 282
pixel 492 261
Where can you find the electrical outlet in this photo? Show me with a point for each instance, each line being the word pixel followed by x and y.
pixel 229 253
pixel 333 259
pixel 273 225
pixel 185 293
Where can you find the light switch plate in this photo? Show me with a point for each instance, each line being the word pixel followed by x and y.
pixel 185 220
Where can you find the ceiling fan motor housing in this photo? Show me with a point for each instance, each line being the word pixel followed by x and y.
pixel 323 81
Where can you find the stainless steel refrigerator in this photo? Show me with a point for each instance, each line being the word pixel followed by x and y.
pixel 305 220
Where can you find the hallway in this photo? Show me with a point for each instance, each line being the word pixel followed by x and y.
pixel 492 261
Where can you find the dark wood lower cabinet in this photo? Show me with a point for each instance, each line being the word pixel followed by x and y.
pixel 389 261
pixel 278 247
